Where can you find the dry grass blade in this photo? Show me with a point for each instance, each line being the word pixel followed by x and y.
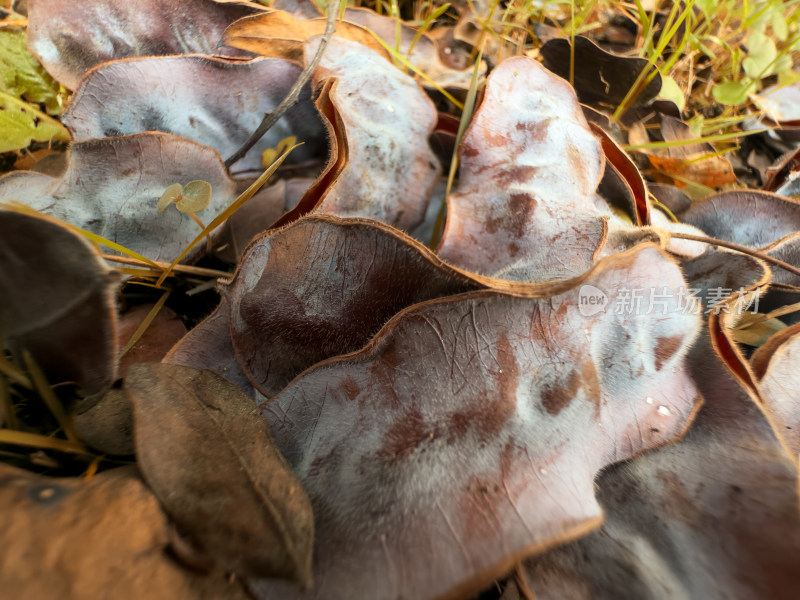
pixel 137 335
pixel 14 374
pixel 49 397
pixel 33 440
pixel 466 118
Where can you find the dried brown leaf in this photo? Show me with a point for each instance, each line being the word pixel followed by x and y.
pixel 210 459
pixel 57 301
pixel 82 539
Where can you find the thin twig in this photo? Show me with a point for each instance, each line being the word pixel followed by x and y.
pixel 744 250
pixel 188 269
pixel 271 118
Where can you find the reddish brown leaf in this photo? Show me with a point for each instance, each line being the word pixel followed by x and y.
pixel 280 34
pixel 103 537
pixel 467 433
pixel 69 41
pixel 695 162
pixel 525 208
pixel 209 457
pixel 209 346
pixel 161 335
pixel 57 301
pixel 323 286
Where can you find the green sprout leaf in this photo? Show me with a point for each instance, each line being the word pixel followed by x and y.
pixel 172 194
pixel 733 93
pixel 760 56
pixel 670 90
pixel 196 196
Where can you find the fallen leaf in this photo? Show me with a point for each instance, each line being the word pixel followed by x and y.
pixel 696 162
pixel 525 207
pixel 161 335
pixel 161 94
pixel 105 422
pixel 466 435
pixel 321 287
pixel 713 516
pixel 775 365
pixel 387 119
pixel 112 185
pixel 58 301
pixel 69 42
pixel 280 34
pixel 599 76
pixel 338 156
pixel 747 217
pixel 102 537
pixel 210 460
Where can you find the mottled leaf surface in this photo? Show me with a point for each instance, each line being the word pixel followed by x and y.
pixel 525 207
pixel 748 217
pixel 209 457
pixel 69 41
pixel 466 435
pixel 215 102
pixel 57 301
pixel 323 286
pixel 103 537
pixel 712 516
pixel 111 187
pixel 775 364
pixel 387 119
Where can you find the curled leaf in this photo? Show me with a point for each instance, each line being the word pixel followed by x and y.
pixel 386 119
pixel 748 217
pixel 525 207
pixel 321 287
pixel 466 435
pixel 111 187
pixel 712 516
